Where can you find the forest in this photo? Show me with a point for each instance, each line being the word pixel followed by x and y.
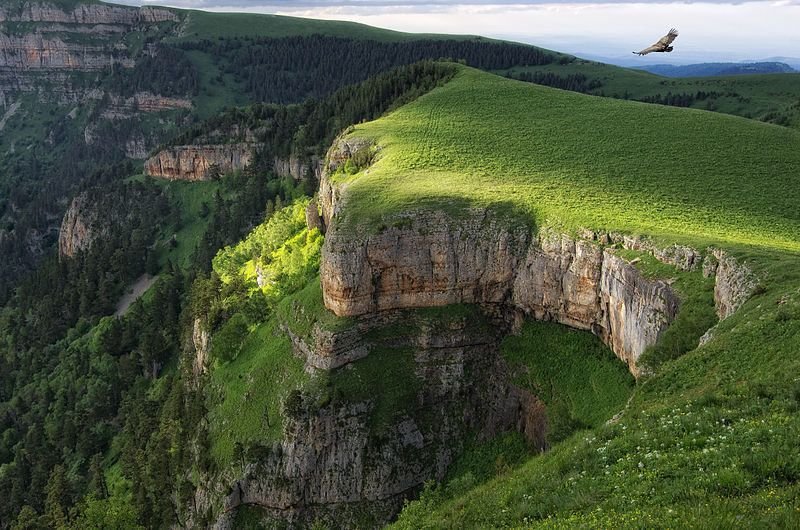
pixel 291 69
pixel 100 396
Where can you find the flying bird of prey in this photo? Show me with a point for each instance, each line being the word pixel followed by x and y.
pixel 663 44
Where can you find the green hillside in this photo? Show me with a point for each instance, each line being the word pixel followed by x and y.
pixel 207 25
pixel 710 438
pixel 573 161
pixel 773 98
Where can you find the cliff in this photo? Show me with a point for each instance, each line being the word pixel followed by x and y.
pixel 434 260
pixel 37 52
pixel 199 162
pixel 122 108
pixel 340 464
pixel 78 229
pixel 428 258
pixel 89 14
pixel 42 45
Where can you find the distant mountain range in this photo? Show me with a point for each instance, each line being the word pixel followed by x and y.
pixel 714 69
pixel 684 58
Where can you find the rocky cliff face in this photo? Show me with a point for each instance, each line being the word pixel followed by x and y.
pixel 334 465
pixel 38 52
pixel 735 282
pixel 122 108
pixel 434 260
pixel 77 228
pixel 90 14
pixel 297 168
pixel 199 162
pixel 428 258
pixel 45 44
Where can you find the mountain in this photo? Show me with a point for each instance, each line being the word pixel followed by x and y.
pixel 271 272
pixel 752 96
pixel 794 62
pixel 87 84
pixel 495 192
pixel 718 69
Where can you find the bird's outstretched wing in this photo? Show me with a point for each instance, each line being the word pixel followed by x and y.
pixel 662 43
pixel 652 48
pixel 667 39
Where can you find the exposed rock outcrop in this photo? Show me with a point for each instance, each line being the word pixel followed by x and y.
pixel 334 460
pixel 77 228
pixel 90 14
pixel 297 168
pixel 50 43
pixel 735 282
pixel 201 342
pixel 37 52
pixel 431 259
pixel 199 162
pixel 122 108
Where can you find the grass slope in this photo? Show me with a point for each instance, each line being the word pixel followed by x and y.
pixel 206 25
pixel 579 379
pixel 709 440
pixel 767 97
pixel 571 160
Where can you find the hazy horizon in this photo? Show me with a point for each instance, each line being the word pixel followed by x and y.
pixel 609 30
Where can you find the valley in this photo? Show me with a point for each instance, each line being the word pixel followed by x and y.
pixel 271 272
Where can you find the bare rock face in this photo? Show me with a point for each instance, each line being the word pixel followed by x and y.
pixel 333 465
pixel 77 232
pixel 201 341
pixel 735 282
pixel 44 11
pixel 199 162
pixel 297 168
pixel 433 260
pixel 37 52
pixel 123 108
pixel 54 46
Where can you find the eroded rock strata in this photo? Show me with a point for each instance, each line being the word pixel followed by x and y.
pixel 433 260
pixel 199 162
pixel 202 161
pixel 78 229
pixel 336 464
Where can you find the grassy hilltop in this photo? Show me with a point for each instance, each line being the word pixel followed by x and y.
pixel 709 440
pixel 579 161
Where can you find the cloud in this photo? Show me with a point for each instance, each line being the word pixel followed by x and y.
pixel 423 5
pixel 710 29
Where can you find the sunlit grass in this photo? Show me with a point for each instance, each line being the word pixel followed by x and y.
pixel 581 161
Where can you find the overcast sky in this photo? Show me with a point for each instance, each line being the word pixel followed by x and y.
pixel 709 30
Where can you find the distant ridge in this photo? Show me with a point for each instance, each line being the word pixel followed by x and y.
pixel 715 69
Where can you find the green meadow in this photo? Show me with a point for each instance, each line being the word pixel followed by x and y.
pixel 570 160
pixel 766 97
pixel 207 25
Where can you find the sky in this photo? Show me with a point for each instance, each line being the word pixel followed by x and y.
pixel 711 30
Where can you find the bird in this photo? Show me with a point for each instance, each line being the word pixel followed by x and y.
pixel 663 44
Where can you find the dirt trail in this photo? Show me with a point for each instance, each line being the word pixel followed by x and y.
pixel 137 289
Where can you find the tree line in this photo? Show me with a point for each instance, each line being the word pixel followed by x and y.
pixel 292 69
